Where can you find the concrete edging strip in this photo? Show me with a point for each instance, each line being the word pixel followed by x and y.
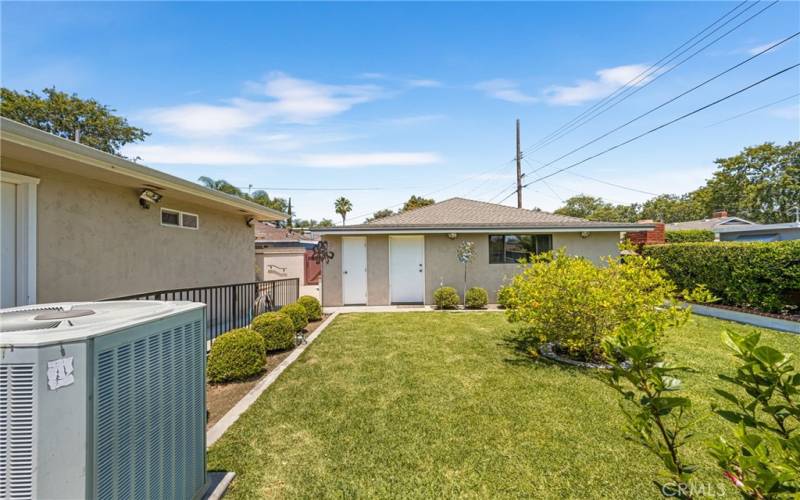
pixel 217 430
pixel 747 318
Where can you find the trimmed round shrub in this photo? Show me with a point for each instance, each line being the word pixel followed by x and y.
pixel 313 307
pixel 476 298
pixel 297 313
pixel 446 297
pixel 236 355
pixel 504 296
pixel 277 330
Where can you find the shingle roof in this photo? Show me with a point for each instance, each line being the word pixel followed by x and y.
pixel 708 224
pixel 265 232
pixel 463 213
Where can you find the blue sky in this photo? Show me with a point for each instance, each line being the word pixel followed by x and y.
pixel 380 101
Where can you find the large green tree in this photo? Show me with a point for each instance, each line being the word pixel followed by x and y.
pixel 380 214
pixel 261 197
pixel 416 202
pixel 67 115
pixel 342 206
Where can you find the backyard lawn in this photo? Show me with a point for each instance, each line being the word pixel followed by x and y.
pixel 421 405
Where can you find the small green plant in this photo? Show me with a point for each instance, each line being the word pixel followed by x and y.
pixel 236 355
pixel 763 458
pixel 700 295
pixel 313 307
pixel 277 330
pixel 476 298
pixel 446 297
pixel 656 418
pixel 576 304
pixel 297 313
pixel 504 296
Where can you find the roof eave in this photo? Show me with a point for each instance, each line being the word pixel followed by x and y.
pixel 344 230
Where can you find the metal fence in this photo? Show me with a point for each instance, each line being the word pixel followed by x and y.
pixel 231 306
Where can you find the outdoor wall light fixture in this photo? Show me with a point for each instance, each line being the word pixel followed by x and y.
pixel 250 221
pixel 584 234
pixel 147 197
pixel 452 236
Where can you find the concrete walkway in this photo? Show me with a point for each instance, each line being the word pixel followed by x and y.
pixel 401 308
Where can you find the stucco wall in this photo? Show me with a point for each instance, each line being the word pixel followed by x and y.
pixel 783 234
pixel 442 267
pixel 270 260
pixel 94 241
pixel 332 274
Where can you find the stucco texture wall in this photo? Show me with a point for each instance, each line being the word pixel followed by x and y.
pixel 95 241
pixel 443 269
pixel 280 263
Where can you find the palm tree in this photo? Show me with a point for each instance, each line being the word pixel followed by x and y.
pixel 343 206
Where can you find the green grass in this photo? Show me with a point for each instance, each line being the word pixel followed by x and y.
pixel 421 405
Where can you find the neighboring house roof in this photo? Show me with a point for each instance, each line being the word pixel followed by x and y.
pixel 757 227
pixel 267 233
pixel 707 224
pixel 460 214
pixel 42 148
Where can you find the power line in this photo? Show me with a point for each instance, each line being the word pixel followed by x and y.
pixel 663 125
pixel 765 106
pixel 377 188
pixel 667 102
pixel 614 184
pixel 606 103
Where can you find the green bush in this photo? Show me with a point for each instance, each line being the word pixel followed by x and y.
pixel 236 355
pixel 476 298
pixel 313 307
pixel 577 305
pixel 277 330
pixel 760 275
pixel 503 296
pixel 297 313
pixel 689 236
pixel 446 297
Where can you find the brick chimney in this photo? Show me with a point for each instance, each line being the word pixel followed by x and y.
pixel 654 237
pixel 718 214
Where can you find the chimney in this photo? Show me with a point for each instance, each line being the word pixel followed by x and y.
pixel 654 237
pixel 719 214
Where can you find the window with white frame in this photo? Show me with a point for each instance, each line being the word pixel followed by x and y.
pixel 509 249
pixel 176 218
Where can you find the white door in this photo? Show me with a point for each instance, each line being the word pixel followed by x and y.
pixel 354 270
pixel 8 243
pixel 407 269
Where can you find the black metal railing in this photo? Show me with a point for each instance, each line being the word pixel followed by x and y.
pixel 230 306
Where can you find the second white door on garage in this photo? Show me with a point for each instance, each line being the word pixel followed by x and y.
pixel 407 269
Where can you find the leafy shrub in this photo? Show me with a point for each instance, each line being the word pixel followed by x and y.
pixel 503 296
pixel 236 355
pixel 476 298
pixel 761 275
pixel 446 297
pixel 689 236
pixel 277 330
pixel 575 304
pixel 297 313
pixel 313 307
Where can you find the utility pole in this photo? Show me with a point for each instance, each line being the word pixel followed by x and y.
pixel 519 170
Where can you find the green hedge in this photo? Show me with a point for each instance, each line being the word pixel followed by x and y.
pixel 313 307
pixel 761 275
pixel 446 297
pixel 297 313
pixel 236 355
pixel 689 235
pixel 476 298
pixel 277 330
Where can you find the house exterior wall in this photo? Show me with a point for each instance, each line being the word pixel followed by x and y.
pixel 443 269
pixel 270 260
pixel 95 241
pixel 782 234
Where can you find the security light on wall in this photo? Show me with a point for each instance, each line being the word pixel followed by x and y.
pixel 452 236
pixel 147 197
pixel 250 221
pixel 584 234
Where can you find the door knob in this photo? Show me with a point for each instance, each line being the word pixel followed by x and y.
pixel 345 272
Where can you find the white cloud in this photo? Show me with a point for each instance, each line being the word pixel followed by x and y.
pixel 286 100
pixel 424 83
pixel 505 90
pixel 786 112
pixel 357 160
pixel 758 48
pixel 608 80
pixel 416 119
pixel 192 155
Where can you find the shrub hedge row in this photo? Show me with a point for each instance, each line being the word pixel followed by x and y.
pixel 689 235
pixel 761 275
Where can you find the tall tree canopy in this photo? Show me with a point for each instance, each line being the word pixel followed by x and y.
pixel 380 214
pixel 342 206
pixel 67 115
pixel 417 202
pixel 762 184
pixel 260 197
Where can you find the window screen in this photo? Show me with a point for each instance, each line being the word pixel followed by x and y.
pixel 508 249
pixel 189 220
pixel 170 218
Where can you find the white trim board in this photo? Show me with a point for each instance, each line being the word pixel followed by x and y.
pixel 27 250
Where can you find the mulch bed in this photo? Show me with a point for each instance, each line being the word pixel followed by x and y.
pixel 220 398
pixel 750 310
